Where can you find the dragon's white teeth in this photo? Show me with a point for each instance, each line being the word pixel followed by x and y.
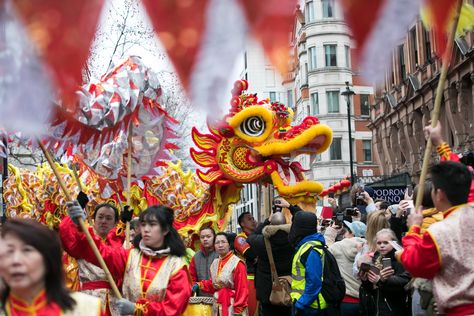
pixel 293 179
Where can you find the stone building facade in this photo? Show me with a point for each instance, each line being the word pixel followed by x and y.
pixel 406 99
pixel 321 63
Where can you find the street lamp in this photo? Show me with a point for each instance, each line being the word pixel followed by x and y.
pixel 348 93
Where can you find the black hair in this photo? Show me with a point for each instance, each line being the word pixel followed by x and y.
pixel 47 243
pixel 230 238
pixel 165 217
pixel 207 226
pixel 468 159
pixel 241 217
pixel 101 205
pixel 134 223
pixel 427 201
pixel 383 204
pixel 454 179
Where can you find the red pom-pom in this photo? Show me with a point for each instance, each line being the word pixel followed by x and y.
pixel 345 183
pixel 310 120
pixel 245 84
pixel 235 101
pixel 239 86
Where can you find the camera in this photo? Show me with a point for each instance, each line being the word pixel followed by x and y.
pixel 338 218
pixel 349 211
pixel 326 222
pixel 276 206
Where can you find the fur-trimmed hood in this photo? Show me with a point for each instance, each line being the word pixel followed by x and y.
pixel 270 230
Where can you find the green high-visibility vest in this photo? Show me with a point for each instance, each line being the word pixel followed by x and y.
pixel 298 273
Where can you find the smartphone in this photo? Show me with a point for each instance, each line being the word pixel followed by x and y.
pixel 326 222
pixel 364 267
pixel 411 207
pixel 386 263
pixel 394 208
pixel 374 269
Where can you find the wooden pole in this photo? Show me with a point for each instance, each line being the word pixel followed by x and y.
pixel 76 176
pixel 82 224
pixel 446 59
pixel 129 182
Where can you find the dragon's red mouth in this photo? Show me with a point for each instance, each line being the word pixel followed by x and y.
pixel 289 171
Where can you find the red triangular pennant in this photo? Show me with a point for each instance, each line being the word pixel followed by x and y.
pixel 180 27
pixel 441 13
pixel 62 31
pixel 271 22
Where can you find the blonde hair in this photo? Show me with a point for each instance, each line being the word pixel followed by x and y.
pixel 376 222
pixel 386 231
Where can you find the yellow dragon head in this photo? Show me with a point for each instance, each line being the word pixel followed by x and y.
pixel 256 142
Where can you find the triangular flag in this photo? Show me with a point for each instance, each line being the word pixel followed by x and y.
pixel 271 22
pixel 62 32
pixel 180 27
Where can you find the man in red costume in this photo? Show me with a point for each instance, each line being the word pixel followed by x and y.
pixel 244 251
pixel 92 279
pixel 444 252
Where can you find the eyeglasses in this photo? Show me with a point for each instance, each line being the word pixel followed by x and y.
pixel 221 242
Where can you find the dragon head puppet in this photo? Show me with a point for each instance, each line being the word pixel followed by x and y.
pixel 256 142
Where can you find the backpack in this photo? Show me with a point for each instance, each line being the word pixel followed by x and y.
pixel 334 287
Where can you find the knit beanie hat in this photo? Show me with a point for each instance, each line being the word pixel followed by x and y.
pixel 304 224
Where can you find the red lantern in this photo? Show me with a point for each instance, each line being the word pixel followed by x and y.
pixel 331 189
pixel 345 184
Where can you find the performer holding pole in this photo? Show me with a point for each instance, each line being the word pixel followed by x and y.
pixel 81 223
pixel 129 181
pixel 155 277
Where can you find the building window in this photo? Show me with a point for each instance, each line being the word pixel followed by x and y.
pixel 427 43
pixel 310 11
pixel 332 101
pixel 327 8
pixel 315 103
pixel 289 96
pixel 367 148
pixel 330 53
pixel 273 96
pixel 305 78
pixel 312 58
pixel 335 152
pixel 364 104
pixel 401 60
pixel 414 45
pixel 347 51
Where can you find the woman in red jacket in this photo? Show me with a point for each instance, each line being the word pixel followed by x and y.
pixel 228 280
pixel 155 277
pixel 33 274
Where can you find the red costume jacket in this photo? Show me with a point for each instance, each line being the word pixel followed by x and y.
pixel 239 292
pixel 422 257
pixel 86 305
pixel 170 300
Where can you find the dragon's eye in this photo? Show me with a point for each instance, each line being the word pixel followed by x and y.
pixel 253 126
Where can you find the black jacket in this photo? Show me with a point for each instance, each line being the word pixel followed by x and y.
pixel 282 254
pixel 390 297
